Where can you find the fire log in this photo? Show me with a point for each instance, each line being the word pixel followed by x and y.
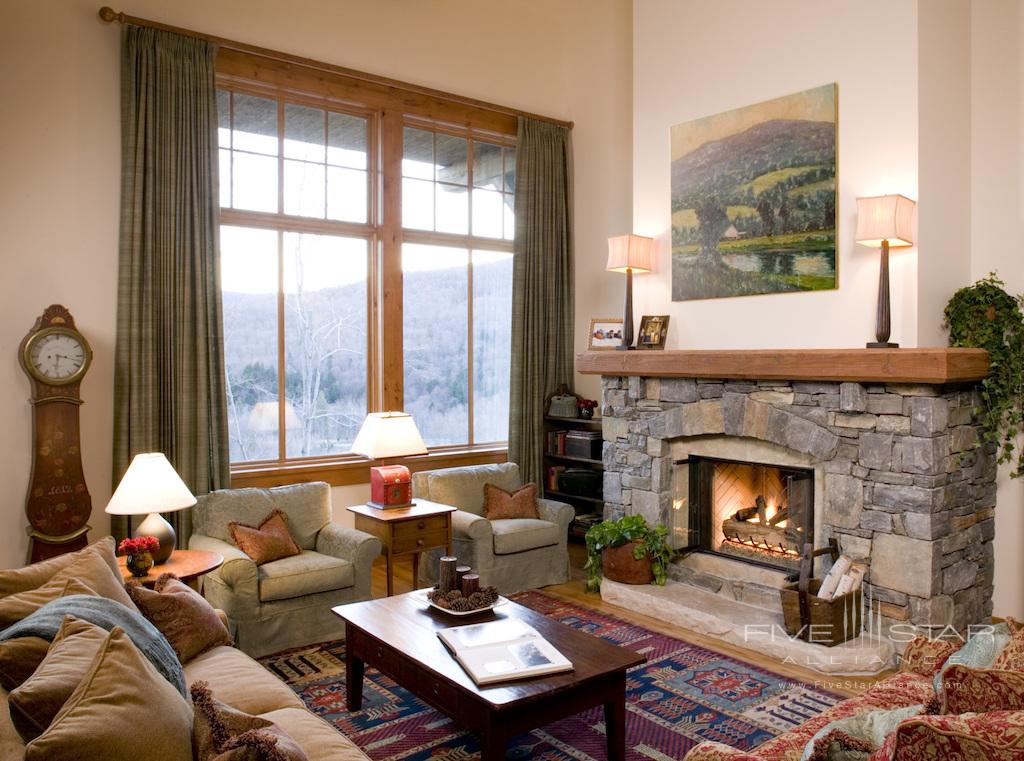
pixel 779 517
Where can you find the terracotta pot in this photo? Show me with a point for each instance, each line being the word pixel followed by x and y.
pixel 618 564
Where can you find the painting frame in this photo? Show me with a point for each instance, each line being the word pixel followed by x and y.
pixel 754 199
pixel 652 333
pixel 604 343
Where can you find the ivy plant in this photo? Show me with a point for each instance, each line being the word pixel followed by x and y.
pixel 652 542
pixel 985 316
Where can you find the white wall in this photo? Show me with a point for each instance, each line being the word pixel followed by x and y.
pixel 997 218
pixel 60 152
pixel 693 59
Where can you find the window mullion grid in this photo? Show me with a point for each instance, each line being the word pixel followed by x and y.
pixel 282 445
pixel 469 296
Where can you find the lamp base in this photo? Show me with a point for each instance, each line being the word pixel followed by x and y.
pixel 882 345
pixel 156 525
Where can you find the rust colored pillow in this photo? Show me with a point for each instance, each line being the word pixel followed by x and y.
pixel 182 615
pixel 223 733
pixel 19 658
pixel 1011 657
pixel 498 503
pixel 967 690
pixel 271 540
pixel 925 656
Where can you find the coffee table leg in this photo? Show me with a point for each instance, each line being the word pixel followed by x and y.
pixel 492 746
pixel 354 668
pixel 615 725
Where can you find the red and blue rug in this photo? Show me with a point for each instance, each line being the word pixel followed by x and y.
pixel 682 696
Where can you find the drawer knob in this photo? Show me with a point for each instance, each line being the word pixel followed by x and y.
pixel 420 542
pixel 421 525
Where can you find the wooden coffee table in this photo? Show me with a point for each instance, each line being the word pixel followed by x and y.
pixel 398 636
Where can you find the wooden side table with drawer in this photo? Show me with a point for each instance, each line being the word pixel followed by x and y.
pixel 407 531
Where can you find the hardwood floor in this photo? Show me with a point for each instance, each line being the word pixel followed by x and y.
pixel 574 592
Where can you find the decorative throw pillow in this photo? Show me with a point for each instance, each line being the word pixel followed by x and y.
pixel 853 738
pixel 925 656
pixel 182 615
pixel 979 652
pixel 271 540
pixel 34 704
pixel 19 658
pixel 223 733
pixel 498 503
pixel 1011 657
pixel 967 690
pixel 15 607
pixel 37 574
pixel 122 708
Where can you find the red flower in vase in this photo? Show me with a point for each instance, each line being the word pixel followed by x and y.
pixel 138 545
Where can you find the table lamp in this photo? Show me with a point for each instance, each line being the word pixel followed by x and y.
pixel 629 254
pixel 389 434
pixel 884 222
pixel 149 487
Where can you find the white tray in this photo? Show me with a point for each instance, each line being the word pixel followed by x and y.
pixel 501 601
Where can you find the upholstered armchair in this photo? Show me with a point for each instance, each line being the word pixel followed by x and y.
pixel 285 603
pixel 511 554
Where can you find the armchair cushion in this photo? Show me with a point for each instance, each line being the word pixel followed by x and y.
pixel 513 535
pixel 308 507
pixel 304 574
pixel 464 487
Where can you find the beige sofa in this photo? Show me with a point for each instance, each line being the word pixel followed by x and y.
pixel 511 554
pixel 286 603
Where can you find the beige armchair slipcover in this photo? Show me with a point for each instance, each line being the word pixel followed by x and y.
pixel 511 554
pixel 285 603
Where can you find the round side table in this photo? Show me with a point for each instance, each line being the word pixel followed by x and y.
pixel 187 565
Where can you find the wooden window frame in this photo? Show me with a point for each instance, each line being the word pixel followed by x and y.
pixel 388 108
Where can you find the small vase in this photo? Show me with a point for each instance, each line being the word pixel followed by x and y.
pixel 587 413
pixel 139 564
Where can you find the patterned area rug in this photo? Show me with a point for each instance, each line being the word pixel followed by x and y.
pixel 682 696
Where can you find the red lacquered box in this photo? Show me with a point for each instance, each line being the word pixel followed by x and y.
pixel 390 486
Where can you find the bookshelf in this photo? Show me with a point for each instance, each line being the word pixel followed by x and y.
pixel 582 487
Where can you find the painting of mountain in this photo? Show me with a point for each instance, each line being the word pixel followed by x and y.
pixel 754 199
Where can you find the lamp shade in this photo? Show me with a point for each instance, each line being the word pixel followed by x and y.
pixel 885 218
pixel 388 434
pixel 150 485
pixel 633 252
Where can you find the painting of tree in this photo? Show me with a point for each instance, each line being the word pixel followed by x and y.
pixel 754 199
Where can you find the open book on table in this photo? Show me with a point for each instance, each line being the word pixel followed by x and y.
pixel 498 651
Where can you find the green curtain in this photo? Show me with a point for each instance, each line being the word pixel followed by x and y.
pixel 542 287
pixel 169 383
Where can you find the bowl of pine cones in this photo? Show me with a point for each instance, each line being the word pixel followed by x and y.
pixel 456 604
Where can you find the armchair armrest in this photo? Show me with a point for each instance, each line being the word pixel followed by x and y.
pixel 239 571
pixel 357 547
pixel 466 525
pixel 556 512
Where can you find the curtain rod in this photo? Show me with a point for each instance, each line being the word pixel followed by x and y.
pixel 109 15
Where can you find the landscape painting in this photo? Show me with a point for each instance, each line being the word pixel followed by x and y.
pixel 754 199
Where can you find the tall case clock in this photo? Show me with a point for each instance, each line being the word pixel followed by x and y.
pixel 55 356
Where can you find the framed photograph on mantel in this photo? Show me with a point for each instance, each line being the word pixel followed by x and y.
pixel 653 329
pixel 605 333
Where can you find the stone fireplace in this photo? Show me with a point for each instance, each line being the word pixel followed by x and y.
pixel 875 449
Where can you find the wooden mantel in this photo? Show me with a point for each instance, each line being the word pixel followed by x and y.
pixel 860 365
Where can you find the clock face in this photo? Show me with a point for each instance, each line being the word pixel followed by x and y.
pixel 57 356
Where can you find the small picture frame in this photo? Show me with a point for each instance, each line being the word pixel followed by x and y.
pixel 605 333
pixel 653 329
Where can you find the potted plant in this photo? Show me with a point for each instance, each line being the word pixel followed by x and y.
pixel 627 550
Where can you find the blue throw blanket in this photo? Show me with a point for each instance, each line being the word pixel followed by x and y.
pixel 106 614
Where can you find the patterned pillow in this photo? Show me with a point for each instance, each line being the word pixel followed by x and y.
pixel 223 733
pixel 925 656
pixel 993 736
pixel 499 504
pixel 979 652
pixel 967 690
pixel 182 615
pixel 269 541
pixel 855 737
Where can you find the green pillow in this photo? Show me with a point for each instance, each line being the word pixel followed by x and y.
pixel 979 652
pixel 872 727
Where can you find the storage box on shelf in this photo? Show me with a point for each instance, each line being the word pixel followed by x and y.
pixel 573 468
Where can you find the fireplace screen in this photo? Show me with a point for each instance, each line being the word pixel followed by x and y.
pixel 752 511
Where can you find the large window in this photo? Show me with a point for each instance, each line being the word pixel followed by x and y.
pixel 366 265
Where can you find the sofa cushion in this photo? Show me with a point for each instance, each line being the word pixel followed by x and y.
pixel 521 503
pixel 37 574
pixel 993 736
pixel 19 657
pixel 967 690
pixel 34 704
pixel 122 708
pixel 979 652
pixel 464 487
pixel 239 681
pixel 308 507
pixel 223 733
pixel 14 608
pixel 318 739
pixel 183 616
pixel 513 535
pixel 304 574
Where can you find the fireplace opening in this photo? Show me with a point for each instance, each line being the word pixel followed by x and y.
pixel 754 512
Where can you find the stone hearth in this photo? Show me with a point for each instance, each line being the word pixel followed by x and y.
pixel 901 482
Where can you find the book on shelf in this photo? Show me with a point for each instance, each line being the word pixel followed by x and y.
pixel 504 650
pixel 552 475
pixel 556 442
